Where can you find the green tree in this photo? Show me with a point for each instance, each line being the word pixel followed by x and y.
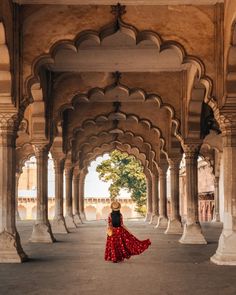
pixel 124 171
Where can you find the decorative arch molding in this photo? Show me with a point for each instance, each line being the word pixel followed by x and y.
pixel 23 154
pixel 104 118
pixel 136 141
pixel 124 149
pixel 195 69
pixel 105 148
pixel 119 115
pixel 111 147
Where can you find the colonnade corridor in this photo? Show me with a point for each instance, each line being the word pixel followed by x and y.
pixel 75 265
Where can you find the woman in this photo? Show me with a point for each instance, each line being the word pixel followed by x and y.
pixel 121 243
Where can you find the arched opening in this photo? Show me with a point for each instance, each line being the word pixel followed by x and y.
pixel 125 189
pixel 27 186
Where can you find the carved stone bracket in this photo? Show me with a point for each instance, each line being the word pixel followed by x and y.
pixel 228 127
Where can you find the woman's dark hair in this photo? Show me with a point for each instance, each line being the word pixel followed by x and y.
pixel 115 218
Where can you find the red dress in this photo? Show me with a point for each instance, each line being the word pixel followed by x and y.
pixel 123 244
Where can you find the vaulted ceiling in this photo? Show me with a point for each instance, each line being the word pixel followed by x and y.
pixel 135 78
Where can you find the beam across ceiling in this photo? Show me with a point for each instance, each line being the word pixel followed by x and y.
pixel 124 2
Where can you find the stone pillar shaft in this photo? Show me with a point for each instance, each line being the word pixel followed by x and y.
pixel 42 232
pixel 77 218
pixel 192 187
pixel 81 195
pixel 59 168
pixel 149 198
pixel 58 223
pixel 192 229
pixel 226 251
pixel 174 190
pixel 69 204
pixel 162 219
pixel 16 194
pixel 155 197
pixel 68 177
pixel 162 199
pixel 174 222
pixel 217 197
pixel 41 155
pixel 10 246
pixel 76 194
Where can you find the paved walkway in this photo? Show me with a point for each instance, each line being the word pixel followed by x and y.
pixel 75 265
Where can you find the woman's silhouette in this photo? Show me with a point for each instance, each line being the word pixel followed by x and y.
pixel 121 243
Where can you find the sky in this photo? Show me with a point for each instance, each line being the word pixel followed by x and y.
pixel 94 187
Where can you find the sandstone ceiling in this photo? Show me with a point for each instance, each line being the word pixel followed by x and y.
pixel 134 78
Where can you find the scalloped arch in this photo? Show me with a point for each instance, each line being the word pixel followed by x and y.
pixel 151 154
pixel 104 148
pixel 175 121
pixel 138 37
pixel 146 122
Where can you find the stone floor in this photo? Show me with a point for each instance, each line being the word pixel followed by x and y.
pixel 75 265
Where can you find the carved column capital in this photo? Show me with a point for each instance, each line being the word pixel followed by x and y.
pixel 174 163
pixel 191 151
pixel 40 149
pixel 162 168
pixel 76 172
pixel 8 122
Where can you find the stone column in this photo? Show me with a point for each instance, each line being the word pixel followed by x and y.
pixel 17 184
pixel 42 232
pixel 77 218
pixel 81 195
pixel 10 245
pixel 192 230
pixel 217 200
pixel 69 211
pixel 226 251
pixel 149 198
pixel 162 219
pixel 174 222
pixel 58 222
pixel 155 197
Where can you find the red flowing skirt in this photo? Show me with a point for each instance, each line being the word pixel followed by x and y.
pixel 123 244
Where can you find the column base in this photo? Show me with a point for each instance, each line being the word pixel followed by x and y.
pixel 154 219
pixel 77 219
pixel 174 227
pixel 58 226
pixel 192 234
pixel 42 233
pixel 10 248
pixel 148 217
pixel 82 216
pixel 226 251
pixel 70 222
pixel 162 222
pixel 216 218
